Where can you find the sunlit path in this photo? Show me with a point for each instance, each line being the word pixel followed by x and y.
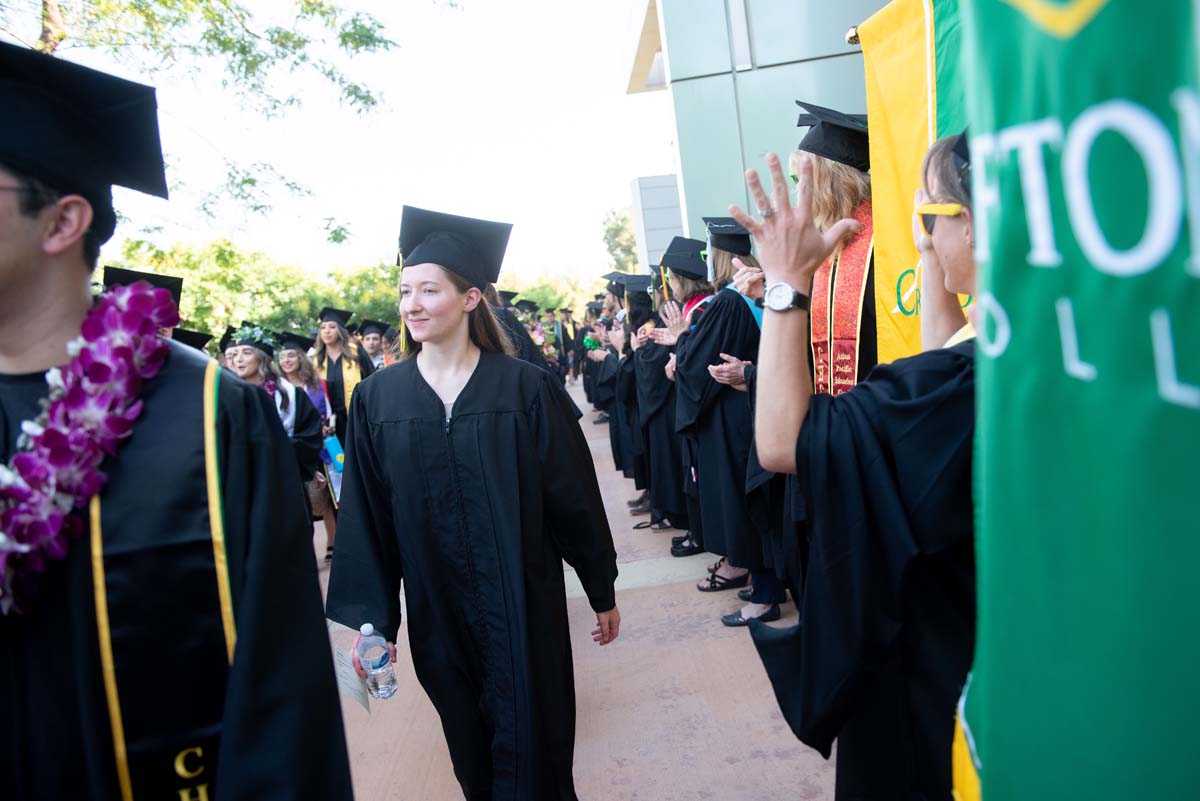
pixel 678 708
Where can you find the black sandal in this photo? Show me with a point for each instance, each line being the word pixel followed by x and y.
pixel 642 526
pixel 718 583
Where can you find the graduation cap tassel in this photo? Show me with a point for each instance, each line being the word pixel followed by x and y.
pixel 666 292
pixel 403 336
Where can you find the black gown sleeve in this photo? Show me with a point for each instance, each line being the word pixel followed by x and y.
pixel 606 379
pixel 365 365
pixel 282 715
pixel 365 578
pixel 574 508
pixel 884 471
pixel 726 327
pixel 306 436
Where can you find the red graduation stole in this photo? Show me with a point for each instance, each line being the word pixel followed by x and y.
pixel 837 304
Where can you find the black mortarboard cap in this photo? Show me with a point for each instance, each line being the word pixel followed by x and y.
pixel 834 135
pixel 683 256
pixel 727 234
pixel 79 130
pixel 506 296
pixel 566 311
pixel 340 316
pixel 193 339
pixel 637 284
pixel 470 248
pixel 256 336
pixel 295 340
pixel 372 327
pixel 527 306
pixel 118 276
pixel 227 337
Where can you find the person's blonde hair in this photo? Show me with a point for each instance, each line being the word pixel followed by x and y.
pixel 685 288
pixel 723 267
pixel 838 188
pixel 482 327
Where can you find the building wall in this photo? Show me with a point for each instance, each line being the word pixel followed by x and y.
pixel 734 69
pixel 656 216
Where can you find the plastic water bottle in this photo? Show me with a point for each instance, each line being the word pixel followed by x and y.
pixel 373 655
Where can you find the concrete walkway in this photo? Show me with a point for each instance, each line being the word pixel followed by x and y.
pixel 678 708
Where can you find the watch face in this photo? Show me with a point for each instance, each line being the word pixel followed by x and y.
pixel 779 297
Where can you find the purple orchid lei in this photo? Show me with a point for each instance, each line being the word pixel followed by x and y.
pixel 92 406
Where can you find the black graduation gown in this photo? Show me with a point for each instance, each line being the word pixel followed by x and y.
pixel 664 447
pixel 306 436
pixel 527 350
pixel 604 382
pixel 626 425
pixel 337 394
pixel 888 609
pixel 721 425
pixel 476 517
pixel 768 501
pixel 280 727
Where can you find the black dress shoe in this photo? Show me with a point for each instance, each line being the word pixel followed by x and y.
pixel 746 594
pixel 680 540
pixel 639 500
pixel 686 550
pixel 736 619
pixel 638 511
pixel 603 418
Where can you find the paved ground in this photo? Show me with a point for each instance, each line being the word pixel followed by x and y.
pixel 678 708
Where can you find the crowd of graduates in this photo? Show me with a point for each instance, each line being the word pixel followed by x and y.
pixel 738 380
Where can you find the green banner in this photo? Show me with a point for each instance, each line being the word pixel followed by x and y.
pixel 1085 129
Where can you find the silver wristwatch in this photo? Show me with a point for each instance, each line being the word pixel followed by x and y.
pixel 781 297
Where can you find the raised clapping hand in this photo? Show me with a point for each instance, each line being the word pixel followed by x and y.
pixel 790 246
pixel 749 281
pixel 597 355
pixel 616 337
pixel 672 317
pixel 608 626
pixel 358 668
pixel 731 371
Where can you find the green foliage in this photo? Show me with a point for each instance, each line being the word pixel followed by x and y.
pixel 175 32
pixel 620 241
pixel 546 295
pixel 224 285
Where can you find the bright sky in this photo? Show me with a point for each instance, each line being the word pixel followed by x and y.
pixel 512 111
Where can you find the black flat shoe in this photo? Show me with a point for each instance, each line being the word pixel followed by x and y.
pixel 638 511
pixel 686 550
pixel 746 594
pixel 600 420
pixel 639 500
pixel 736 619
pixel 680 540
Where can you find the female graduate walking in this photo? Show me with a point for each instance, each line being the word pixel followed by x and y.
pixel 468 479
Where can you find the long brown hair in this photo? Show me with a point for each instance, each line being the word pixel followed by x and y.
pixel 305 370
pixel 838 189
pixel 723 267
pixel 482 326
pixel 687 288
pixel 347 347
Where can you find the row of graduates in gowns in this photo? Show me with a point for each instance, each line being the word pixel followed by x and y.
pixel 145 663
pixel 483 499
pixel 872 536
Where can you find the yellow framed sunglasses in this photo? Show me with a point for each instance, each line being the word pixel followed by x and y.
pixel 929 212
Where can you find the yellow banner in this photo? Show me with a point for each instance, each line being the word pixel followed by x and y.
pixel 898 51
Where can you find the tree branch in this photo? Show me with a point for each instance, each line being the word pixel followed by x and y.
pixel 53 28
